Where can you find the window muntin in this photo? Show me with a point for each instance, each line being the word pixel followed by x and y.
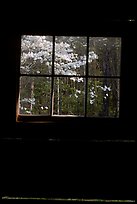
pixel 70 76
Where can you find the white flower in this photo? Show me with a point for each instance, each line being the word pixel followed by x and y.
pixel 73 79
pixel 78 91
pixel 76 95
pixel 91 101
pixel 80 79
pixel 28 112
pixel 109 89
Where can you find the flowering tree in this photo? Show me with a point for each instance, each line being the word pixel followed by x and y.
pixel 69 70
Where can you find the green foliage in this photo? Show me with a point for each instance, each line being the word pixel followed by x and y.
pixel 68 96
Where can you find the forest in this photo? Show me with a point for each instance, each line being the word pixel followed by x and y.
pixel 70 76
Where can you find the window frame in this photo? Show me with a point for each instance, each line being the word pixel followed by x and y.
pixel 114 31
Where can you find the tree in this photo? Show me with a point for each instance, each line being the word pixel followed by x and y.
pixel 68 93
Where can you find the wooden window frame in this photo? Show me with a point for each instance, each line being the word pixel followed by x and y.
pixel 53 76
pixel 114 30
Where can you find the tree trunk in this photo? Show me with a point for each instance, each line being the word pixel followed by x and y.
pixel 106 83
pixel 31 95
pixel 58 97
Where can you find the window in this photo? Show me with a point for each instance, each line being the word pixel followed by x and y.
pixel 69 76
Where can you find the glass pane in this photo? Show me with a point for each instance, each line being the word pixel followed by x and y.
pixel 36 54
pixel 104 56
pixel 35 95
pixel 103 97
pixel 69 96
pixel 70 55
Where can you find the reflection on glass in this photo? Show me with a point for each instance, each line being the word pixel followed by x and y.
pixel 104 56
pixel 35 95
pixel 36 54
pixel 69 96
pixel 103 98
pixel 70 55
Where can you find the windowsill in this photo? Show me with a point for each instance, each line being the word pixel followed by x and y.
pixel 68 199
pixel 60 118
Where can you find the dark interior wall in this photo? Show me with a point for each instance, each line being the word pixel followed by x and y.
pixel 63 159
pixel 108 27
pixel 59 169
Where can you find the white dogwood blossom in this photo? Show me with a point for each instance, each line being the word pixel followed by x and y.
pixel 38 50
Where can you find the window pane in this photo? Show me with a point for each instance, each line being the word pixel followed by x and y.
pixel 36 54
pixel 104 56
pixel 35 95
pixel 70 55
pixel 103 97
pixel 69 96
